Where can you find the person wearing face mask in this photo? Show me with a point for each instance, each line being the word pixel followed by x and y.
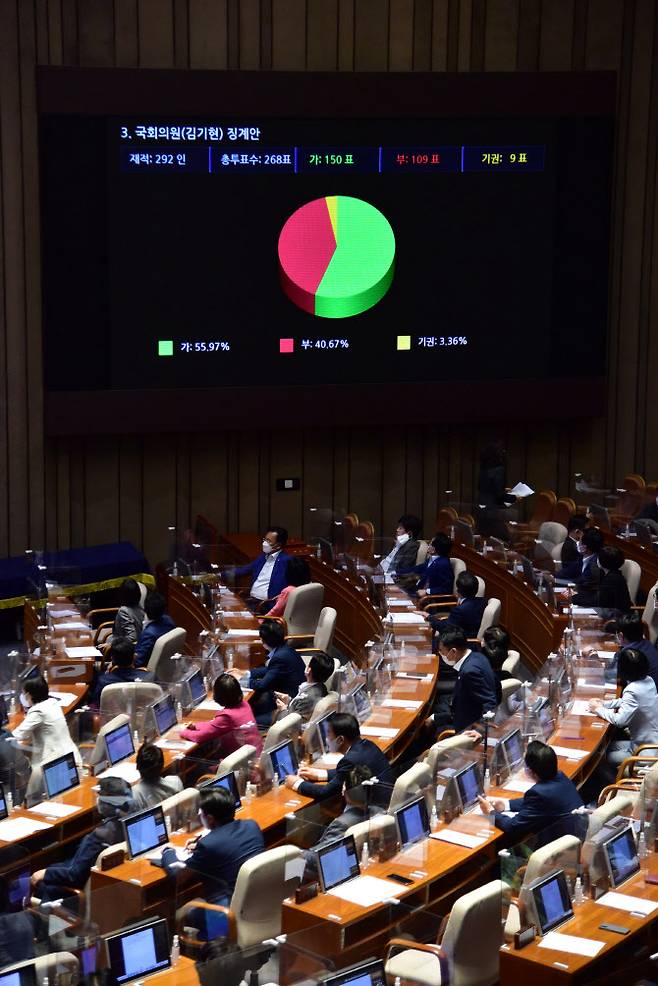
pixel 344 737
pixel 268 572
pixel 44 731
pixel 283 671
pixel 436 575
pixel 583 572
pixel 575 530
pixel 611 591
pixel 467 614
pixel 551 799
pixel 630 634
pixel 401 561
pixel 477 688
pixel 114 803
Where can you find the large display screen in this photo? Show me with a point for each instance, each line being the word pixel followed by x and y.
pixel 230 249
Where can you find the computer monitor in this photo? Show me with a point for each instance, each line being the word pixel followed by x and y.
pixel 370 973
pixel 469 785
pixel 621 857
pixel 284 760
pixel 164 713
pixel 337 863
pixel 512 747
pixel 60 775
pixel 361 702
pixel 552 903
pixel 4 715
pixel 227 781
pixel 144 831
pixel 136 953
pixel 25 976
pixel 195 687
pixel 321 726
pixel 413 823
pixel 119 744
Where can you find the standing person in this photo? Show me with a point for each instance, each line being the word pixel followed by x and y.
pixel 297 573
pixel 130 618
pixel 268 571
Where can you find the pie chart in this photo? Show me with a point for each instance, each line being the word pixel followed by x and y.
pixel 336 256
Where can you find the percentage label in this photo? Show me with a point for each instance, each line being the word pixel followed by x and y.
pixel 453 341
pixel 325 344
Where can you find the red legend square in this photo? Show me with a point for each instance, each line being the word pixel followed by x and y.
pixel 286 345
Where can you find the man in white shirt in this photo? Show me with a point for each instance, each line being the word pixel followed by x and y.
pixel 268 571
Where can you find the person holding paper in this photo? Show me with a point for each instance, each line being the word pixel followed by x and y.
pixel 492 495
pixel 636 710
pixel 233 725
pixel 551 799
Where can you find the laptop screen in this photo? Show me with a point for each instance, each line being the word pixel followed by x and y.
pixel 552 902
pixel 284 760
pixel 60 775
pixel 322 725
pixel 227 781
pixel 361 703
pixel 21 977
pixel 196 686
pixel 18 888
pixel 621 856
pixel 164 711
pixel 369 973
pixel 413 823
pixel 469 785
pixel 119 744
pixel 337 862
pixel 512 745
pixel 145 831
pixel 134 954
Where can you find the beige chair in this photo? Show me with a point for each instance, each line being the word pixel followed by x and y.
pixel 468 953
pixel 50 966
pixel 551 534
pixel 334 680
pixel 490 617
pixel 410 784
pixel 556 855
pixel 621 804
pixel 509 686
pixel 161 661
pixel 130 698
pixel 283 730
pixel 650 614
pixel 182 808
pixel 421 554
pixel 327 704
pixel 445 747
pixel 512 663
pixel 324 634
pixel 303 609
pixel 482 587
pixel 376 831
pixel 238 760
pixel 263 883
pixel 632 574
pixel 457 565
pixel 99 752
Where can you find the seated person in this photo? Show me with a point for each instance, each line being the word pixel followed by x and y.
pixel 401 561
pixel 467 614
pixel 636 710
pixel 153 788
pixel 157 623
pixel 233 725
pixel 583 572
pixel 576 527
pixel 357 809
pixel 114 802
pixel 283 671
pixel 495 647
pixel 318 670
pixel 297 573
pixel 436 575
pixel 344 737
pixel 44 729
pixel 611 591
pixel 630 633
pixel 122 669
pixel 551 799
pixel 17 930
pixel 130 618
pixel 650 510
pixel 268 571
pixel 217 856
pixel 477 688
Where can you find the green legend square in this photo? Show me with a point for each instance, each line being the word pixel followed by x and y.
pixel 404 342
pixel 166 347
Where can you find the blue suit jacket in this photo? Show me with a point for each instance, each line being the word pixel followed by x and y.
pixel 468 616
pixel 546 803
pixel 278 578
pixel 573 572
pixel 118 676
pixel 148 637
pixel 477 690
pixel 219 855
pixel 363 752
pixel 437 576
pixel 75 872
pixel 284 672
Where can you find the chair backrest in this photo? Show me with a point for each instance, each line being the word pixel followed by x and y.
pixel 325 705
pixel 160 661
pixel 632 574
pixel 324 631
pixel 552 532
pixel 131 698
pixel 421 554
pixel 263 883
pixel 475 918
pixel 509 686
pixel 410 783
pixel 457 742
pixel 303 608
pixel 446 518
pixel 240 758
pixel 362 545
pixel 378 829
pixel 563 510
pixel 457 565
pixel 181 807
pixel 512 663
pixel 491 615
pixel 482 587
pixel 464 533
pixel 98 753
pixel 549 857
pixel 650 615
pixel 621 804
pixel 556 551
pixel 543 508
pixel 52 965
pixel 283 730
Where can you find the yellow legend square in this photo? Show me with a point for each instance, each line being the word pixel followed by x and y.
pixel 404 342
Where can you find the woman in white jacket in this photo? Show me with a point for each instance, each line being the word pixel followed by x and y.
pixel 44 731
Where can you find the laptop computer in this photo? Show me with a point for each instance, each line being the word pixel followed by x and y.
pixel 284 760
pixel 227 781
pixel 621 857
pixel 164 713
pixel 26 976
pixel 361 701
pixel 413 822
pixel 337 863
pixel 138 952
pixel 469 785
pixel 119 744
pixel 145 831
pixel 369 973
pixel 512 748
pixel 194 689
pixel 60 775
pixel 551 902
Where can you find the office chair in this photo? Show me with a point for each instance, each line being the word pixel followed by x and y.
pixel 283 730
pixel 160 661
pixel 181 808
pixel 445 747
pixel 562 853
pixel 98 751
pixel 650 614
pixel 410 784
pixel 632 574
pixel 512 663
pixel 323 636
pixel 130 698
pixel 378 831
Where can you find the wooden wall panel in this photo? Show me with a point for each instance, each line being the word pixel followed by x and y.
pixel 74 492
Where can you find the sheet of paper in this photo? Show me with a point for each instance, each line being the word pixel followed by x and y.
pixel 294 868
pixel 128 771
pixel 517 785
pixel 64 697
pixel 457 838
pixel 62 614
pixel 74 625
pixel 79 652
pixel 566 751
pixel 406 619
pixel 401 703
pixel 400 602
pixel 208 703
pixel 331 759
pixel 584 611
pixel 413 677
pixel 521 490
pixel 569 943
pixel 13 829
pixel 237 612
pixel 242 633
pixel 366 890
pixel 385 732
pixel 580 708
pixel 54 809
pixel 627 903
pixel 174 744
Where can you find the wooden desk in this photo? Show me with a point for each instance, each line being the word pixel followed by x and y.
pixel 182 974
pixel 646 557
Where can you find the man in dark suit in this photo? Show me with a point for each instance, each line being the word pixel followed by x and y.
pixel 630 633
pixel 217 856
pixel 575 530
pixel 551 799
pixel 122 669
pixel 467 614
pixel 436 577
pixel 584 572
pixel 268 571
pixel 477 688
pixel 401 561
pixel 284 671
pixel 158 622
pixel 650 511
pixel 612 591
pixel 344 737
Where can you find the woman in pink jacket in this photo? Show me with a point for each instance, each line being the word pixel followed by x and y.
pixel 234 724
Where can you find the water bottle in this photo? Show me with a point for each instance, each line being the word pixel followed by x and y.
pixel 175 950
pixel 9 802
pixel 434 820
pixel 642 851
pixel 179 710
pixel 276 781
pixel 136 738
pixel 578 892
pixel 398 981
pixel 229 658
pixel 365 856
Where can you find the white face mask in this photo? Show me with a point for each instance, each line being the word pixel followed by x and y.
pixel 402 538
pixel 267 548
pixel 333 745
pixel 581 548
pixel 24 700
